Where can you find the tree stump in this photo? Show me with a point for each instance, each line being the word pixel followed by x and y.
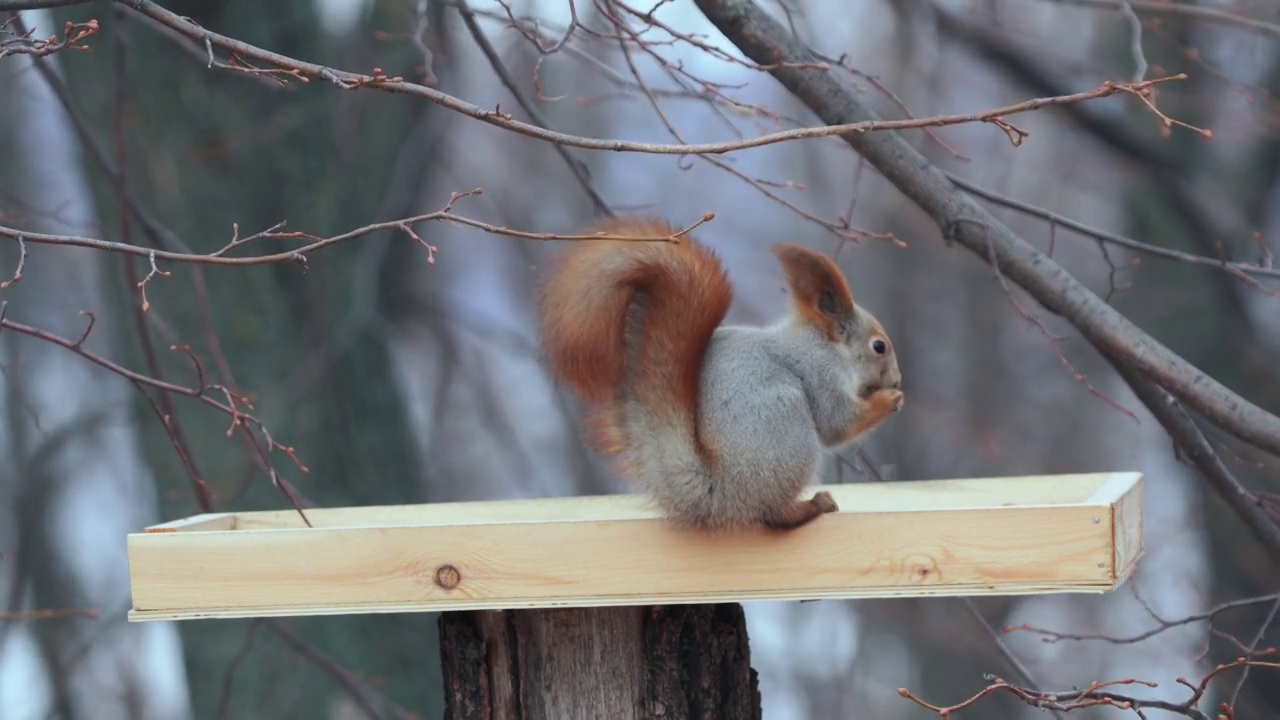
pixel 677 662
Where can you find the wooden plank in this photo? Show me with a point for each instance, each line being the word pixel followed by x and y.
pixel 206 521
pixel 1067 533
pixel 1127 524
pixel 1113 487
pixel 916 494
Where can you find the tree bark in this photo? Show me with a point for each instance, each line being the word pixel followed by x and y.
pixel 680 662
pixel 1150 368
pixel 834 100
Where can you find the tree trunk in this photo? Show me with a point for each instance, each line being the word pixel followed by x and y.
pixel 680 662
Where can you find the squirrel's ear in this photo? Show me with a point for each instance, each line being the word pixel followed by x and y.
pixel 818 288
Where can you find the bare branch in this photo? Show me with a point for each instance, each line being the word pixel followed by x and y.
pixel 576 167
pixel 238 416
pixel 1235 269
pixel 378 81
pixel 963 220
pixel 14 5
pixel 1035 320
pixel 314 243
pixel 24 44
pixel 356 687
pixel 1185 9
pixel 1098 694
pixel 47 614
pixel 1135 40
pixel 1252 649
pixel 22 262
pixel 1024 675
pixel 1051 636
pixel 142 285
pixel 1196 448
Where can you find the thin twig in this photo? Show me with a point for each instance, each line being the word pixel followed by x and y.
pixel 1097 694
pixel 1034 319
pixel 22 43
pixel 315 243
pixel 576 167
pixel 1253 649
pixel 356 687
pixel 1196 448
pixel 233 666
pixel 238 416
pixel 1019 669
pixel 1051 636
pixel 22 262
pixel 1185 9
pixel 832 99
pixel 13 5
pixel 379 81
pixel 47 614
pixel 1232 268
pixel 1135 40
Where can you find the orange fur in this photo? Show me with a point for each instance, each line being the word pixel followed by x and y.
pixel 875 408
pixel 819 292
pixel 681 294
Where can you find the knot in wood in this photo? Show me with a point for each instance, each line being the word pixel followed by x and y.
pixel 922 568
pixel 448 577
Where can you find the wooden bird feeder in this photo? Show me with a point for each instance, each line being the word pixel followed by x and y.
pixel 1074 533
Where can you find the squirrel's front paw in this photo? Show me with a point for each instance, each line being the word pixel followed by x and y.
pixel 886 400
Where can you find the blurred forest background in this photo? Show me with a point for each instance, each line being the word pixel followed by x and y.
pixel 398 380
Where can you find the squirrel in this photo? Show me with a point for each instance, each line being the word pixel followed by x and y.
pixel 723 425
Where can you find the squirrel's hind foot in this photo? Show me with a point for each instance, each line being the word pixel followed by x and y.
pixel 801 512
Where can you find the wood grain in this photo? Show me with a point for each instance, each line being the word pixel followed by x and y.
pixel 1071 533
pixel 912 495
pixel 1127 525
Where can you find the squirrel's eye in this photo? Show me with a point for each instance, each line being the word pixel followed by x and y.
pixel 878 346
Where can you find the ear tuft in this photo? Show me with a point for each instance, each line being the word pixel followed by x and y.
pixel 818 288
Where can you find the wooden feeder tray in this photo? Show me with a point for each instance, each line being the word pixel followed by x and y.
pixel 1078 533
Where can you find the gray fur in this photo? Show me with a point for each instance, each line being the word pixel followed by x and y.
pixel 772 400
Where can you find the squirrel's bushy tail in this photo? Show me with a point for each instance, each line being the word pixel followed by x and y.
pixel 626 323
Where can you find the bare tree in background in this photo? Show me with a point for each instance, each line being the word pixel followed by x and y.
pixel 77 481
pixel 1062 209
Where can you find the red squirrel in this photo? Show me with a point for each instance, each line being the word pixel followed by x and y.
pixel 724 426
